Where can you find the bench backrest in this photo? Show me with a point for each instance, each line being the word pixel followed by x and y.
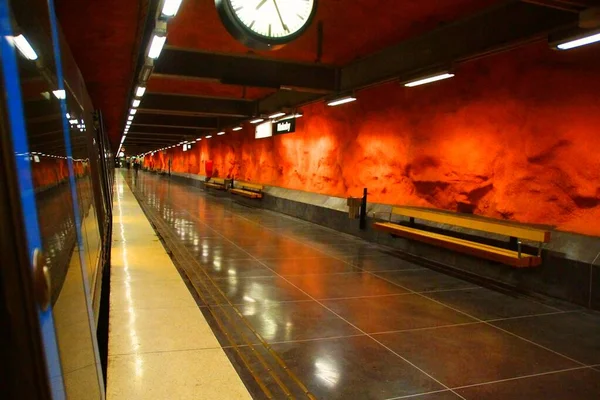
pixel 218 181
pixel 472 222
pixel 248 186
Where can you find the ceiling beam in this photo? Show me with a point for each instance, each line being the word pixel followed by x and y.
pixel 246 70
pixel 497 29
pixel 183 121
pixel 172 104
pixel 565 5
pixel 285 99
pixel 158 130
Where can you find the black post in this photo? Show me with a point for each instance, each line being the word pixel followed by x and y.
pixel 363 211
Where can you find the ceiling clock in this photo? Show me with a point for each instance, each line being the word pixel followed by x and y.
pixel 266 24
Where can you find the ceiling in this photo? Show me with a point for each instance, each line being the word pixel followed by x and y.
pixel 205 80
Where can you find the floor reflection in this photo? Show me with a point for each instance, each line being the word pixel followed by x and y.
pixel 354 321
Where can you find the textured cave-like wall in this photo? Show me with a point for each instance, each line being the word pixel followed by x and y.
pixel 514 136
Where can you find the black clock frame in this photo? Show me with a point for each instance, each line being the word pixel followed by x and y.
pixel 240 32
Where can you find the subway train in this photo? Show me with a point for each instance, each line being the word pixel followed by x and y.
pixel 55 212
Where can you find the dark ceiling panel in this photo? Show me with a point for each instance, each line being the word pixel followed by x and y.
pixel 285 99
pixel 183 121
pixel 166 130
pixel 155 103
pixel 246 70
pixel 496 29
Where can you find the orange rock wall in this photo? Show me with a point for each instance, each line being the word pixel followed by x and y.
pixel 514 136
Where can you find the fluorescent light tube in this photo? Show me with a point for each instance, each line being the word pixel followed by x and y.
pixel 208 137
pixel 136 103
pixel 139 92
pixel 199 139
pixel 220 133
pixel 156 46
pixel 430 79
pixel 60 94
pixel 291 116
pixel 237 128
pixel 277 115
pixel 170 7
pixel 343 100
pixel 132 111
pixel 579 42
pixel 130 118
pixel 257 120
pixel 25 48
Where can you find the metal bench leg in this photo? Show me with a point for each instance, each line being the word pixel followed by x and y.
pixel 540 249
pixel 519 247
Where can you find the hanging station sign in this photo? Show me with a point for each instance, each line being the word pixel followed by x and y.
pixel 285 126
pixel 264 130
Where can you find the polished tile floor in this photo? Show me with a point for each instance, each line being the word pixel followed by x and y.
pixel 352 320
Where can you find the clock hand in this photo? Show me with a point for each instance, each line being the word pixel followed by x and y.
pixel 260 4
pixel 281 19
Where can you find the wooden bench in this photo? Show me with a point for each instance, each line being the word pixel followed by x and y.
pixel 247 189
pixel 217 183
pixel 516 232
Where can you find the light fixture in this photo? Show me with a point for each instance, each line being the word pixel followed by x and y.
pixel 146 70
pixel 237 128
pixel 156 46
pixel 208 136
pixel 170 7
pixel 139 92
pixel 130 118
pixel 136 103
pixel 199 139
pixel 73 121
pixel 291 116
pixel 25 48
pixel 257 120
pixel 60 94
pixel 220 133
pixel 277 115
pixel 574 42
pixel 341 100
pixel 428 79
pixel 132 111
pixel 68 115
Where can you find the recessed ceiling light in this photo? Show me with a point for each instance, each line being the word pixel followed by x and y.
pixel 342 100
pixel 430 79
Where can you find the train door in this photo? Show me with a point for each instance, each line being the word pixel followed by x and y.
pixel 48 338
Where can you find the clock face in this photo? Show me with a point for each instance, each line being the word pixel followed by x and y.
pixel 266 24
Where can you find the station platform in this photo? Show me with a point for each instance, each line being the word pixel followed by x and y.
pixel 160 345
pixel 224 301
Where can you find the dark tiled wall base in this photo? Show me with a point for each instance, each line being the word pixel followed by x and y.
pixel 560 276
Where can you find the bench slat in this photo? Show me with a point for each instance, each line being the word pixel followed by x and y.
pixel 500 228
pixel 493 253
pixel 248 185
pixel 247 193
pixel 215 185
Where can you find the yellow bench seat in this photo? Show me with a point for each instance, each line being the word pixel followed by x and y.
pixel 493 253
pixel 247 193
pixel 216 183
